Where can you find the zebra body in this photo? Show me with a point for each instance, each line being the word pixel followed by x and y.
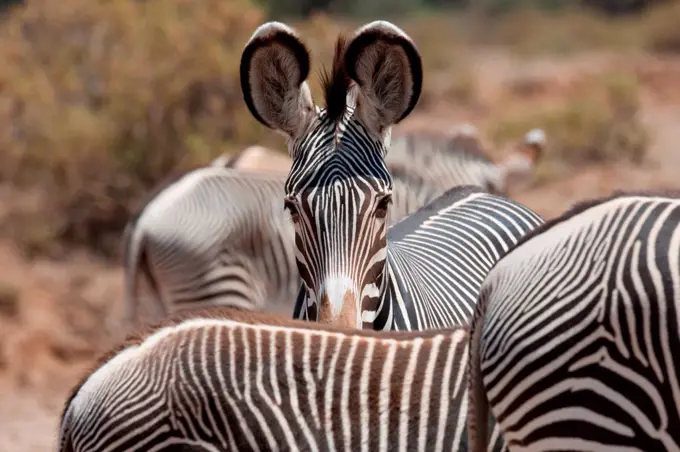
pixel 576 340
pixel 197 257
pixel 445 161
pixel 339 188
pixel 226 382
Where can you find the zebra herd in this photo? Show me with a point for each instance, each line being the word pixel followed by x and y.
pixel 431 312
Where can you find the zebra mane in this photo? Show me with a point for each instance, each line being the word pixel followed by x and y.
pixel 336 83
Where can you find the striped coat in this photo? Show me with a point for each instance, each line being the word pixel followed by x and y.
pixel 576 339
pixel 230 380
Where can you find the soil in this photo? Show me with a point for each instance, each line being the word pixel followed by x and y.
pixel 55 317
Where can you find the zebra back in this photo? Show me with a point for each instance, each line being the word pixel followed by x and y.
pixel 461 158
pixel 575 340
pixel 439 256
pixel 231 380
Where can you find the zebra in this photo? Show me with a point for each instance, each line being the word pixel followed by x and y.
pixel 575 343
pixel 214 260
pixel 426 272
pixel 445 161
pixel 197 245
pixel 226 379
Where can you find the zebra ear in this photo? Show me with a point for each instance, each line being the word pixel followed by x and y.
pixel 386 66
pixel 274 67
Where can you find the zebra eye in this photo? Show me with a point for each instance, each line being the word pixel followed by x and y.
pixel 292 208
pixel 383 204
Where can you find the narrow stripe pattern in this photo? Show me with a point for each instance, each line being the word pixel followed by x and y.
pixel 444 162
pixel 436 269
pixel 220 385
pixel 337 180
pixel 579 330
pixel 199 238
pixel 436 261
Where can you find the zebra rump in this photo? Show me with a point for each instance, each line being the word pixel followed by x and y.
pixel 576 337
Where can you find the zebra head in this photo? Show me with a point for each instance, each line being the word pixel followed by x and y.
pixel 338 190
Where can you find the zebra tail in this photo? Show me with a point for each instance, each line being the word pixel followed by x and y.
pixel 131 250
pixel 136 262
pixel 478 406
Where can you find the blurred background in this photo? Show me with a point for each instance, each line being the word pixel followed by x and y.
pixel 100 99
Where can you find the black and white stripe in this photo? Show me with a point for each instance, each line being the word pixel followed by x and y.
pixel 449 160
pixel 576 339
pixel 437 259
pixel 217 236
pixel 196 240
pixel 227 382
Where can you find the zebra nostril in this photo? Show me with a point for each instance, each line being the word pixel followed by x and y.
pixel 338 306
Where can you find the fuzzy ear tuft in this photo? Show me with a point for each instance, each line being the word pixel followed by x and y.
pixel 387 68
pixel 274 67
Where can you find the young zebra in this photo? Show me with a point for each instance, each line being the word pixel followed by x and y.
pixel 232 380
pixel 576 338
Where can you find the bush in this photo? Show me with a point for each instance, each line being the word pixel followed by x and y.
pixel 533 31
pixel 601 125
pixel 662 29
pixel 99 100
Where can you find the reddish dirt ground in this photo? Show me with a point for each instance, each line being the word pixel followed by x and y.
pixel 56 316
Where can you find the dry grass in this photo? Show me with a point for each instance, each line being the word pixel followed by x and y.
pixel 100 99
pixel 599 125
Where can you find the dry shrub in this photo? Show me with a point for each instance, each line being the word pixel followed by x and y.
pixel 662 26
pixel 100 99
pixel 530 31
pixel 602 124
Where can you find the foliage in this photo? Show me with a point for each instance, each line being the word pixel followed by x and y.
pixel 600 125
pixel 100 99
pixel 662 29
